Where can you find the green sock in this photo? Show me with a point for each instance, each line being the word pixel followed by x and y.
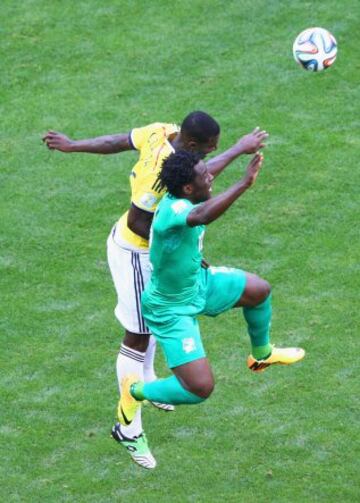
pixel 258 319
pixel 136 390
pixel 167 390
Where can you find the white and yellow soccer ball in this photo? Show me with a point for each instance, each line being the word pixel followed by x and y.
pixel 315 49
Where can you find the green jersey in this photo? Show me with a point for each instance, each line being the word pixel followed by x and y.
pixel 175 254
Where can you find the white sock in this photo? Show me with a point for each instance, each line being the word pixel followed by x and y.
pixel 149 372
pixel 130 361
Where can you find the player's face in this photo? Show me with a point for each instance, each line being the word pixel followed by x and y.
pixel 202 184
pixel 207 147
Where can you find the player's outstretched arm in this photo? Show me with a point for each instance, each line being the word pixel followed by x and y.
pixel 110 144
pixel 248 144
pixel 213 208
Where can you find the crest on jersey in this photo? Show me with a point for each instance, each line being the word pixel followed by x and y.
pixel 179 206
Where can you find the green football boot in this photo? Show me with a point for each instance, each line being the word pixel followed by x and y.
pixel 137 447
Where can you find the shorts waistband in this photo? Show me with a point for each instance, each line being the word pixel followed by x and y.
pixel 124 244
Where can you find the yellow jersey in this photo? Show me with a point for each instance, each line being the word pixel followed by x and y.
pixel 154 146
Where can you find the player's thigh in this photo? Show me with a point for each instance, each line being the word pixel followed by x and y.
pixel 179 338
pixel 130 271
pixel 224 287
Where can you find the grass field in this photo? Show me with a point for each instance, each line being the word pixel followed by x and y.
pixel 90 68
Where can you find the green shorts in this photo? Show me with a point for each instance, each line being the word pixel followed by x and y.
pixel 179 334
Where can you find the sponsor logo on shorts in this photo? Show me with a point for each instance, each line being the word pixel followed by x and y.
pixel 188 345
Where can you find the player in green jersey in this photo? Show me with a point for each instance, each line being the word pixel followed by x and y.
pixel 180 289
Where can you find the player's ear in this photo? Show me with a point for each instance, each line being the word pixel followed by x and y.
pixel 193 145
pixel 188 189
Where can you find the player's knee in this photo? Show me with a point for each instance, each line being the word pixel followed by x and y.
pixel 257 290
pixel 260 291
pixel 138 342
pixel 264 289
pixel 203 387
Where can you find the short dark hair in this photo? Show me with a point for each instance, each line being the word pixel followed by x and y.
pixel 178 170
pixel 200 126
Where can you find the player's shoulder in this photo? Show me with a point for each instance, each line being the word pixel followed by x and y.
pixel 155 133
pixel 171 209
pixel 163 128
pixel 171 129
pixel 171 215
pixel 178 206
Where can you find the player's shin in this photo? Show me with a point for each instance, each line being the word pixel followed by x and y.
pixel 258 319
pixel 149 373
pixel 130 361
pixel 167 390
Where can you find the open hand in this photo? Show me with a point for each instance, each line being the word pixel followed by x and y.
pixel 253 168
pixel 57 141
pixel 252 142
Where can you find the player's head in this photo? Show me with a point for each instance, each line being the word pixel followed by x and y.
pixel 200 133
pixel 184 174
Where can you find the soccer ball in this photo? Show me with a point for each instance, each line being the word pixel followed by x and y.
pixel 315 49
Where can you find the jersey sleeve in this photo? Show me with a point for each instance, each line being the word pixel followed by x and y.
pixel 179 211
pixel 147 200
pixel 138 136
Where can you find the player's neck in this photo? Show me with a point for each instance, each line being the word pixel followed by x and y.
pixel 189 197
pixel 177 143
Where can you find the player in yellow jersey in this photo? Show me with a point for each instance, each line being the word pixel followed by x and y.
pixel 128 246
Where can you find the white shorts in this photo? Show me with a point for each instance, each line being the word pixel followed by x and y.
pixel 130 271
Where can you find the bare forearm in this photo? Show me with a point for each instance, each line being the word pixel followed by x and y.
pixel 216 165
pixel 248 144
pixel 213 208
pixel 109 144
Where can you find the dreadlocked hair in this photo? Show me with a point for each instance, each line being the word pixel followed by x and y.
pixel 178 170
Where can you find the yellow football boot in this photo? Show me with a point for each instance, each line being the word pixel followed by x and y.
pixel 281 356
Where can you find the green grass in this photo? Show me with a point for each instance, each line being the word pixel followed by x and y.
pixel 90 68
